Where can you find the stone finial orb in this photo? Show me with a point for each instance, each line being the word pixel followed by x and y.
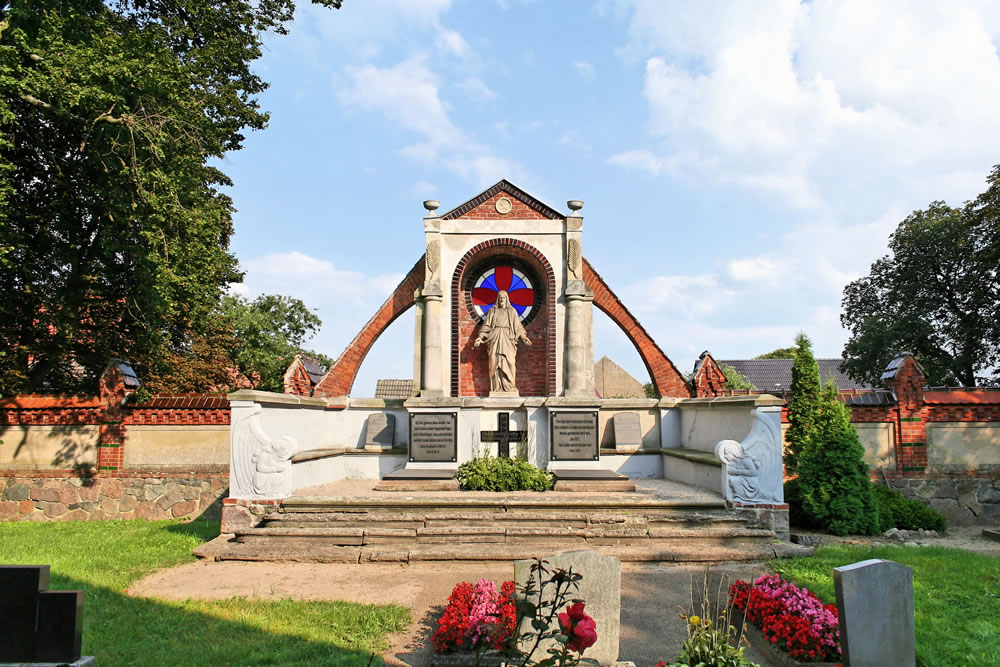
pixel 574 205
pixel 432 205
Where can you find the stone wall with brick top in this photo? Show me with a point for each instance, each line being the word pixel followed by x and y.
pixel 47 497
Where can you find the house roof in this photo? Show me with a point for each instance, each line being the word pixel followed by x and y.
pixel 768 374
pixel 389 389
pixel 313 368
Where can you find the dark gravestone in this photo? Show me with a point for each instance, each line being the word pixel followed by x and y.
pixel 574 436
pixel 503 436
pixel 380 432
pixel 875 602
pixel 628 434
pixel 38 625
pixel 433 436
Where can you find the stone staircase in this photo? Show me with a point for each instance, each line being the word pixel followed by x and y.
pixel 504 528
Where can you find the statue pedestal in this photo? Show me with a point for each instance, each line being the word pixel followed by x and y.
pixel 505 394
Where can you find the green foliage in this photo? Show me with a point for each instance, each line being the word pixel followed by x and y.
pixel 897 511
pixel 105 558
pixel 710 629
pixel 650 390
pixel 793 498
pixel 113 226
pixel 735 379
pixel 780 353
pixel 803 407
pixel 271 329
pixel 934 294
pixel 955 602
pixel 488 473
pixel 833 477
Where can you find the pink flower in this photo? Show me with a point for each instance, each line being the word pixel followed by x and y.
pixel 579 627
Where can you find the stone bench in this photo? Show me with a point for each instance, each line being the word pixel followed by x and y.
pixel 694 466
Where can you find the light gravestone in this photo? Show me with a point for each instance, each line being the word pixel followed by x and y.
pixel 600 589
pixel 380 432
pixel 875 602
pixel 628 434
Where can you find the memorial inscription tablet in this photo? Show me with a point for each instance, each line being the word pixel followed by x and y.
pixel 433 437
pixel 574 436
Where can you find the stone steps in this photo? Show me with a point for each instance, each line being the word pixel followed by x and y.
pixel 658 553
pixel 419 528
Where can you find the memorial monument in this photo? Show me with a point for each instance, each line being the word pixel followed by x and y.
pixel 504 366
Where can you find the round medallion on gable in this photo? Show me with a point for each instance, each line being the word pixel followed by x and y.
pixel 503 206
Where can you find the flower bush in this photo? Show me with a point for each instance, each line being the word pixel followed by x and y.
pixel 790 617
pixel 477 617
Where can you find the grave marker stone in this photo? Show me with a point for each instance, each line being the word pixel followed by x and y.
pixel 503 436
pixel 36 624
pixel 380 432
pixel 600 589
pixel 628 434
pixel 875 602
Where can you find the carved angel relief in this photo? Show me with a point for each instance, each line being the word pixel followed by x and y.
pixel 573 258
pixel 261 465
pixel 753 467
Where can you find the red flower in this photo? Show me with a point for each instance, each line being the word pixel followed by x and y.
pixel 579 627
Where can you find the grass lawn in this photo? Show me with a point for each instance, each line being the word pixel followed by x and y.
pixel 104 557
pixel 956 596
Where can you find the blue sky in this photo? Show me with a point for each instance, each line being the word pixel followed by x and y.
pixel 740 162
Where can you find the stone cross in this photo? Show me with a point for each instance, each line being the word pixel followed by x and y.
pixel 503 436
pixel 875 602
pixel 38 625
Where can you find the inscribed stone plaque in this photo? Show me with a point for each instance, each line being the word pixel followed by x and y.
pixel 875 601
pixel 433 436
pixel 574 436
pixel 380 431
pixel 628 435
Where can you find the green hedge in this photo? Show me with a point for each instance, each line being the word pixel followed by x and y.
pixel 897 511
pixel 486 473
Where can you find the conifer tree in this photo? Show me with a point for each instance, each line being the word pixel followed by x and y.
pixel 803 407
pixel 833 477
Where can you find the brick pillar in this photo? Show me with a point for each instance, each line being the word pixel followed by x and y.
pixel 906 377
pixel 111 440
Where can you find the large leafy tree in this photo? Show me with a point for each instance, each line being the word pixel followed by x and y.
pixel 271 330
pixel 780 353
pixel 113 232
pixel 936 294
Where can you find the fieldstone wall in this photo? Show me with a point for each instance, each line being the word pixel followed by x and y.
pixel 101 498
pixel 962 501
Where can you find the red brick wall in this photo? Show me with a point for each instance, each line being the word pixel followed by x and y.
pixel 667 380
pixel 483 206
pixel 297 380
pixel 709 380
pixel 340 378
pixel 536 365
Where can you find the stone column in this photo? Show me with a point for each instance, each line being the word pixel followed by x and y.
pixel 430 375
pixel 579 336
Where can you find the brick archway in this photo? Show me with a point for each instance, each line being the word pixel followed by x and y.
pixel 536 375
pixel 340 378
pixel 667 380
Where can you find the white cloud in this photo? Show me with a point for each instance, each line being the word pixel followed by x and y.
pixel 477 91
pixel 423 189
pixel 408 94
pixel 815 101
pixel 584 69
pixel 642 160
pixel 753 269
pixel 453 43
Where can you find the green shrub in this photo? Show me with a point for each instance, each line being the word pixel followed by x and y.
pixel 793 497
pixel 897 511
pixel 487 473
pixel 833 477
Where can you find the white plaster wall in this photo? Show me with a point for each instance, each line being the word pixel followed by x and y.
pixel 703 427
pixel 688 472
pixel 344 466
pixel 963 444
pixel 312 428
pixel 40 447
pixel 635 466
pixel 178 446
pixel 649 424
pixel 458 237
pixel 878 440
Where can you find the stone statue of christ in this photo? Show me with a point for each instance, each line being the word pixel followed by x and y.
pixel 501 330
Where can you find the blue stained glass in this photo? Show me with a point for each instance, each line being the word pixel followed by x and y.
pixel 516 283
pixel 519 309
pixel 490 283
pixel 486 308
